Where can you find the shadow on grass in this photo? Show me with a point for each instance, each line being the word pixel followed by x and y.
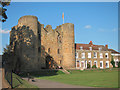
pixel 41 73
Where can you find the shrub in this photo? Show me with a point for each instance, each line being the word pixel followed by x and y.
pixel 119 64
pixel 113 62
pixel 94 66
pixel 88 65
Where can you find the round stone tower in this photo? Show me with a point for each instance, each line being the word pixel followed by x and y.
pixel 68 46
pixel 29 53
pixel 31 21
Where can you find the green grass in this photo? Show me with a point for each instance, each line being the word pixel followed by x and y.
pixel 93 78
pixel 18 82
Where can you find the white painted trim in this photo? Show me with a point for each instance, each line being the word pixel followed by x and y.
pixel 90 63
pixel 76 54
pixel 102 64
pixel 83 55
pixel 108 64
pixel 115 54
pixel 96 63
pixel 95 53
pixel 89 55
pixel 116 59
pixel 83 64
pixel 107 55
pixel 100 55
pixel 79 64
pixel 86 63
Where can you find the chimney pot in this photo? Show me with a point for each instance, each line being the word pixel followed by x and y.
pixel 106 46
pixel 91 43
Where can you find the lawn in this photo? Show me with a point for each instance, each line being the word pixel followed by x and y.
pixel 93 78
pixel 18 82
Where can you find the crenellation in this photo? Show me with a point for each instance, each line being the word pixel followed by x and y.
pixel 41 47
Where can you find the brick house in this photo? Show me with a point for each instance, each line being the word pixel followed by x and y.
pixel 116 56
pixel 91 54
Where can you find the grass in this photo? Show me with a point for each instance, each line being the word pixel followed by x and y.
pixel 42 73
pixel 92 78
pixel 18 82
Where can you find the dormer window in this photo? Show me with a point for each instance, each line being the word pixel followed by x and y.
pixel 90 48
pixel 81 48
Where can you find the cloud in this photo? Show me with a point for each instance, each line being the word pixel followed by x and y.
pixel 107 30
pixel 88 26
pixel 4 31
pixel 101 30
pixel 114 30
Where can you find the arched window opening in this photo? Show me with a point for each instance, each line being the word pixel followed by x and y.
pixel 48 50
pixel 58 51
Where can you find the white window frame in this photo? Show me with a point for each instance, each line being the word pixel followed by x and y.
pixel 90 48
pixel 106 54
pixel 94 55
pixel 90 63
pixel 83 64
pixel 82 55
pixel 116 60
pixel 76 54
pixel 81 48
pixel 79 64
pixel 89 55
pixel 108 64
pixel 96 63
pixel 100 48
pixel 102 65
pixel 101 55
pixel 86 63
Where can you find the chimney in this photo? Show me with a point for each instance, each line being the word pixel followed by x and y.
pixel 106 46
pixel 90 43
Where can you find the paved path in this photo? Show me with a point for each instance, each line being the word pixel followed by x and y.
pixel 52 84
pixel 3 82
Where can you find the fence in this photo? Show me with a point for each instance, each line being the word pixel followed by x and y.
pixel 12 79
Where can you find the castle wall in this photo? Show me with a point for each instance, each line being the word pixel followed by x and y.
pixel 68 47
pixel 26 41
pixel 35 43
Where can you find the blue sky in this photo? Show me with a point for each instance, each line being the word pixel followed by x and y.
pixel 93 21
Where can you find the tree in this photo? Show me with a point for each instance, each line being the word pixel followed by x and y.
pixel 3 10
pixel 113 62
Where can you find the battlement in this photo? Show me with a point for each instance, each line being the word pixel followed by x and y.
pixel 58 43
pixel 27 16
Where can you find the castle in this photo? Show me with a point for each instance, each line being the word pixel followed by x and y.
pixel 37 47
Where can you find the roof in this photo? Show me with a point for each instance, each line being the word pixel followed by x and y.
pixel 94 47
pixel 113 51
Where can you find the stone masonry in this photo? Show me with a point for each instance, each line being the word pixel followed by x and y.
pixel 37 47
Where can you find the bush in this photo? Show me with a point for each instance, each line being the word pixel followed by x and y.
pixel 94 66
pixel 88 65
pixel 119 64
pixel 113 63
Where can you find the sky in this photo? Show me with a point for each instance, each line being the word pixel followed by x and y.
pixel 93 21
